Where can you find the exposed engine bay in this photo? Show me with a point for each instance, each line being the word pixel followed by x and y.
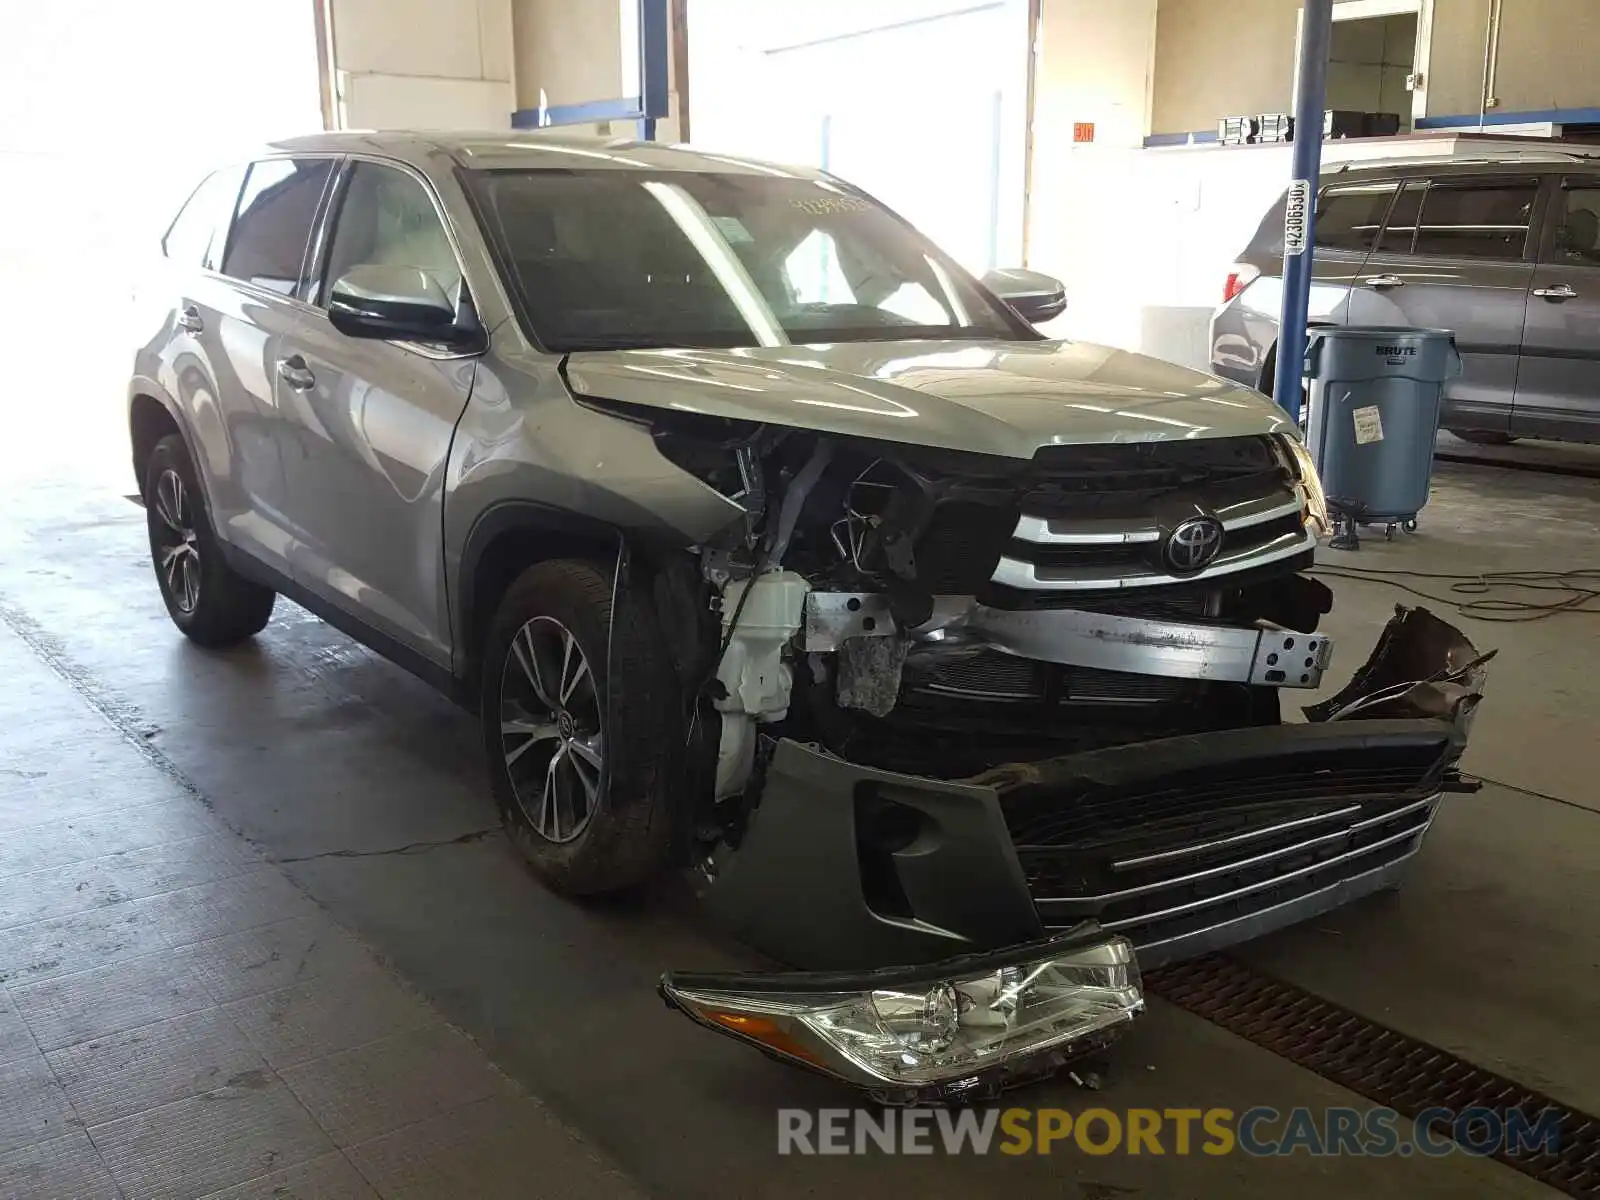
pixel 972 737
pixel 944 613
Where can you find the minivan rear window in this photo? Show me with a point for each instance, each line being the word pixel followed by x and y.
pixel 1348 218
pixel 1476 218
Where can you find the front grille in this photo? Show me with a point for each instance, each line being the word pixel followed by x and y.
pixel 1161 853
pixel 1185 600
pixel 1151 466
pixel 1147 555
pixel 985 674
pixel 1115 489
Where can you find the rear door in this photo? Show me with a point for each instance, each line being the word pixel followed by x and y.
pixel 192 359
pixel 1457 254
pixel 1558 379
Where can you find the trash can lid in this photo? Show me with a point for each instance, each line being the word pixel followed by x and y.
pixel 1377 331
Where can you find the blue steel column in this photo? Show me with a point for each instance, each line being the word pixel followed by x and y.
pixel 1316 37
pixel 654 55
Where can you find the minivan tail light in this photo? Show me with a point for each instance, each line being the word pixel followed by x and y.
pixel 1240 276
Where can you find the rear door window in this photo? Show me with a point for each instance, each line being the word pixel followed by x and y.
pixel 1349 217
pixel 276 208
pixel 196 234
pixel 1476 218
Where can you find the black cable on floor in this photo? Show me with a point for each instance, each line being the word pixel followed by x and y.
pixel 1579 590
pixel 1537 795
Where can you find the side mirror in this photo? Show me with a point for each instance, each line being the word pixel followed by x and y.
pixel 403 304
pixel 1035 297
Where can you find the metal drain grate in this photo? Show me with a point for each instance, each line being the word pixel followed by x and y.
pixel 1386 1067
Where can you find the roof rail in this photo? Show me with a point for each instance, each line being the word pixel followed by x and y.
pixel 1512 154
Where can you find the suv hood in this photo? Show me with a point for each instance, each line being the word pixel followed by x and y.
pixel 990 397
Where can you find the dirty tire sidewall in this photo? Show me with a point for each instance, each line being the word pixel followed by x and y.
pixel 630 834
pixel 230 607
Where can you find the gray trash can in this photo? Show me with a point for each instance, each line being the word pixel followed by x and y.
pixel 1373 415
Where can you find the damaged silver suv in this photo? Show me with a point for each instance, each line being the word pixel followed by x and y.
pixel 765 541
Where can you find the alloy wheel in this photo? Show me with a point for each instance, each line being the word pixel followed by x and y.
pixel 551 729
pixel 177 546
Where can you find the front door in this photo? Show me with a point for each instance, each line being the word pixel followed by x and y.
pixel 369 423
pixel 241 314
pixel 1558 381
pixel 1456 254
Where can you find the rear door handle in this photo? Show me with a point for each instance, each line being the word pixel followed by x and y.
pixel 189 319
pixel 1384 281
pixel 1561 291
pixel 296 374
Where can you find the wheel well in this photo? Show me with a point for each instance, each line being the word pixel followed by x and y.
pixel 148 422
pixel 508 554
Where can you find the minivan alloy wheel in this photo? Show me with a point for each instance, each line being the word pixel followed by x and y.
pixel 178 551
pixel 551 729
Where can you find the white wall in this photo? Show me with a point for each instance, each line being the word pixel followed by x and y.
pixel 581 51
pixel 1163 225
pixel 1095 63
pixel 109 114
pixel 423 64
pixel 921 102
pixel 569 52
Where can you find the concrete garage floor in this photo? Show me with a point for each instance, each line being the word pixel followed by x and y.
pixel 364 790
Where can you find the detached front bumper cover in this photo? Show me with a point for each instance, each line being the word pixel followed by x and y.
pixel 962 1029
pixel 1181 845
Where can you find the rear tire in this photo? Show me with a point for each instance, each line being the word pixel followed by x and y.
pixel 208 600
pixel 581 758
pixel 1483 437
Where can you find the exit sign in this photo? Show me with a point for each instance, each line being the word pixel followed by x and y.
pixel 1083 131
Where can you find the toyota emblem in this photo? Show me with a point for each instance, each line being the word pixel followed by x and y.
pixel 1192 545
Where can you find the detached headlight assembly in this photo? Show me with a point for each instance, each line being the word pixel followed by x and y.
pixel 1305 470
pixel 961 1029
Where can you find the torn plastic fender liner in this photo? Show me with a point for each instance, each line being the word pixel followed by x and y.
pixel 1421 667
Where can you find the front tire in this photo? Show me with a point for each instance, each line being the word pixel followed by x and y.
pixel 580 720
pixel 208 600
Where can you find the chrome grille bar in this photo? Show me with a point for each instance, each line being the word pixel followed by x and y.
pixel 1415 830
pixel 1241 864
pixel 1106 531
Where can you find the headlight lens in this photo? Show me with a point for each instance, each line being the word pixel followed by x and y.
pixel 917 1039
pixel 1305 469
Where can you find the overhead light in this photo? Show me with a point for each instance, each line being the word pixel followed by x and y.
pixel 961 1029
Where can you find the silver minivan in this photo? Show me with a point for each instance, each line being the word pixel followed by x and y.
pixel 1504 253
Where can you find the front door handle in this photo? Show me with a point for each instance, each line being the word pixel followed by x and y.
pixel 1561 291
pixel 1384 281
pixel 189 318
pixel 296 374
